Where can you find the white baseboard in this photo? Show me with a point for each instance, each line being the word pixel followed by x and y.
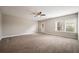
pixel 17 35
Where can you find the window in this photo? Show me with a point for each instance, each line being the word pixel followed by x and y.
pixel 66 26
pixel 59 26
pixel 42 25
pixel 70 26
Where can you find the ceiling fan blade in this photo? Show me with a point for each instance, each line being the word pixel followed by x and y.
pixel 33 13
pixel 43 14
pixel 38 14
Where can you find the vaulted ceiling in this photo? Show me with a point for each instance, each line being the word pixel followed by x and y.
pixel 50 11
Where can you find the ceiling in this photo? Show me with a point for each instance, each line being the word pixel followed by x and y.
pixel 50 11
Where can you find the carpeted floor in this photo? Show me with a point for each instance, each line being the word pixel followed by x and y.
pixel 39 43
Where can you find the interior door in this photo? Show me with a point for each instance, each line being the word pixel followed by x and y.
pixel 42 26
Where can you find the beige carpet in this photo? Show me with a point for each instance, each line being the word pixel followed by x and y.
pixel 38 43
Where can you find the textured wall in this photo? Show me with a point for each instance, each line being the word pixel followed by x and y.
pixel 0 27
pixel 13 26
pixel 78 25
pixel 50 25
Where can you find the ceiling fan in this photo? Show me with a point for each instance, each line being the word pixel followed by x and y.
pixel 38 14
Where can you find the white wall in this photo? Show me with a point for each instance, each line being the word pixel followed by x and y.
pixel 50 25
pixel 14 26
pixel 0 27
pixel 78 25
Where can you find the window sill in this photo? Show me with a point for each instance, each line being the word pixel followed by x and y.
pixel 66 32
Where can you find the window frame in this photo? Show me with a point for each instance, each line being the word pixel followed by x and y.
pixel 64 28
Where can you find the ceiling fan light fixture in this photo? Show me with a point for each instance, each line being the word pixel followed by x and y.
pixel 43 15
pixel 39 14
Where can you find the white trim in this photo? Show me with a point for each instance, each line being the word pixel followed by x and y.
pixel 17 35
pixel 78 25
